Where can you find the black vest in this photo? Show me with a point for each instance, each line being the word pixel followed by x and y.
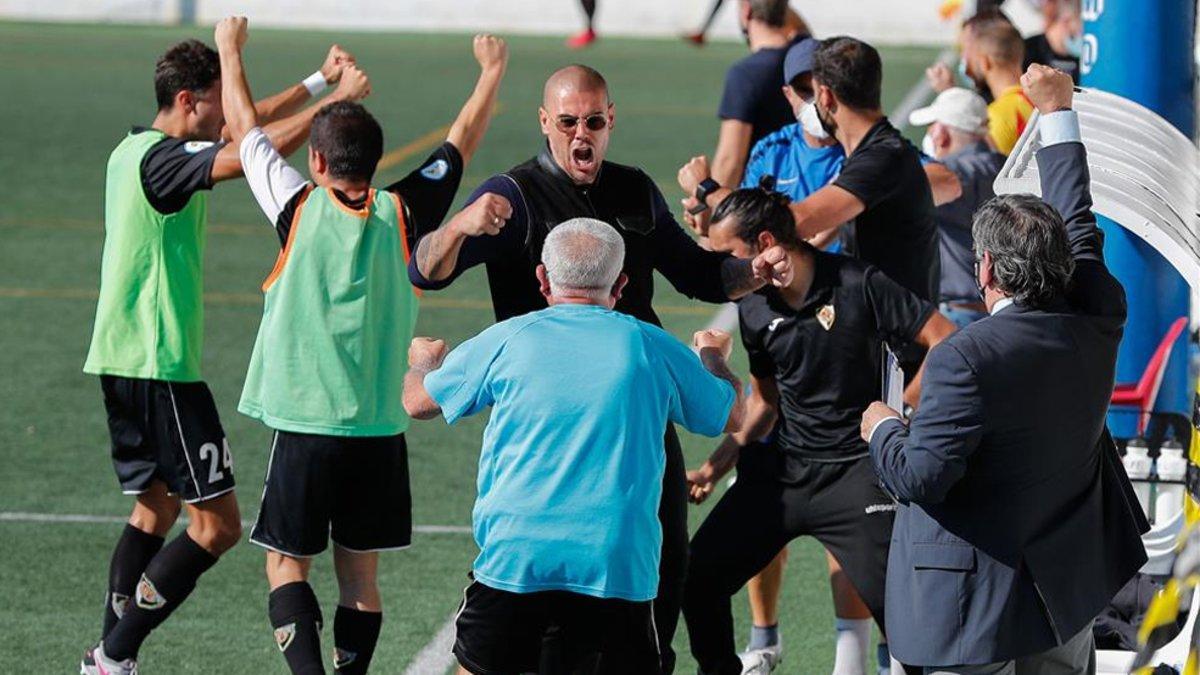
pixel 621 196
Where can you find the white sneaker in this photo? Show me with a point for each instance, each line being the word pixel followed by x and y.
pixel 761 661
pixel 87 665
pixel 96 662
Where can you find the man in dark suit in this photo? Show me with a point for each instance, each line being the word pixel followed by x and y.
pixel 1015 525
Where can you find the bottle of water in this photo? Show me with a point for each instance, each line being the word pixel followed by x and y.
pixel 1172 466
pixel 1137 466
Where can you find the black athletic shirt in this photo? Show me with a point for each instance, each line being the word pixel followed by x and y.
pixel 693 271
pixel 754 92
pixel 427 194
pixel 174 169
pixel 896 232
pixel 826 356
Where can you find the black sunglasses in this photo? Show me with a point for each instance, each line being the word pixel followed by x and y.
pixel 594 122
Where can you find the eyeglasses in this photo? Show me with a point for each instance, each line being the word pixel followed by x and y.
pixel 594 122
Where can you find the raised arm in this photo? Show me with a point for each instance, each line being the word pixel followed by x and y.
pixel 425 355
pixel 287 134
pixel 472 122
pixel 706 275
pixel 440 255
pixel 1062 161
pixel 714 347
pixel 733 146
pixel 1066 185
pixel 291 99
pixel 240 114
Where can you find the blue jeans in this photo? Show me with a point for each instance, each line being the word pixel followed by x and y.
pixel 960 317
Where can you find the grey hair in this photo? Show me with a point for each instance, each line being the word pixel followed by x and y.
pixel 965 136
pixel 583 255
pixel 1027 240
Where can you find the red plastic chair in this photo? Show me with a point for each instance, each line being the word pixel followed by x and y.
pixel 1143 393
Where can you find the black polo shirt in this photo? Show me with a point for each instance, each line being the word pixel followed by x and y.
pixel 896 232
pixel 826 356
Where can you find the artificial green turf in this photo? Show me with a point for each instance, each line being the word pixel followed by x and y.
pixel 71 92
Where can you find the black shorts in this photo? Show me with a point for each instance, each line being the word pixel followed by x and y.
pixel 353 489
pixel 553 633
pixel 167 431
pixel 841 504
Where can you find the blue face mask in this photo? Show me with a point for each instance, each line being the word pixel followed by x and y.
pixel 1074 45
pixel 963 78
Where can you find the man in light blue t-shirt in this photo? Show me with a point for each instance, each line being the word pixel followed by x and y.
pixel 570 474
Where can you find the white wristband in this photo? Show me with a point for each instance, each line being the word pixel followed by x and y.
pixel 315 83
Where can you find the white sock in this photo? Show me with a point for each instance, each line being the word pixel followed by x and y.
pixel 853 641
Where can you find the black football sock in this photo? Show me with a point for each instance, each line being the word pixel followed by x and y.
pixel 132 554
pixel 296 617
pixel 355 633
pixel 166 583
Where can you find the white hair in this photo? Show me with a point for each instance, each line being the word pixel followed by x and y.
pixel 583 256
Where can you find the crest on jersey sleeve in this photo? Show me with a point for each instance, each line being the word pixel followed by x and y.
pixel 192 147
pixel 436 170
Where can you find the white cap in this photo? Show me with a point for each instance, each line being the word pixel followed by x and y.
pixel 957 107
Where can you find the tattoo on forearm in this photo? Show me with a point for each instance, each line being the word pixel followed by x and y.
pixel 737 277
pixel 716 364
pixel 430 253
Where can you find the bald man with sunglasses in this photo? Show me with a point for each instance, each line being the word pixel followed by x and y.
pixel 507 218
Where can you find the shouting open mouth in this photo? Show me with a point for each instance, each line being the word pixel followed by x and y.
pixel 583 157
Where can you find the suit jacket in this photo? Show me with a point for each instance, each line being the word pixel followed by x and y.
pixel 1017 523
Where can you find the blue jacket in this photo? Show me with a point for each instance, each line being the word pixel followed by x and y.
pixel 798 169
pixel 1016 524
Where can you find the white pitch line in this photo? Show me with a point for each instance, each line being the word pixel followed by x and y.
pixel 436 657
pixel 726 318
pixel 28 517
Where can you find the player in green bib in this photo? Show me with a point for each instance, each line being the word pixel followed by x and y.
pixel 328 365
pixel 168 446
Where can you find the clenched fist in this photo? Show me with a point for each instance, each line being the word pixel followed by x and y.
pixel 426 354
pixel 486 215
pixel 693 173
pixel 773 266
pixel 230 33
pixel 700 484
pixel 335 61
pixel 939 77
pixel 1049 89
pixel 354 84
pixel 491 52
pixel 711 338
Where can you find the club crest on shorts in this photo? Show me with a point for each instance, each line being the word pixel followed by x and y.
pixel 436 170
pixel 284 636
pixel 343 658
pixel 118 602
pixel 148 596
pixel 826 316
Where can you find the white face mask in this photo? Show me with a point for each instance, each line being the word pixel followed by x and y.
pixel 811 122
pixel 927 146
